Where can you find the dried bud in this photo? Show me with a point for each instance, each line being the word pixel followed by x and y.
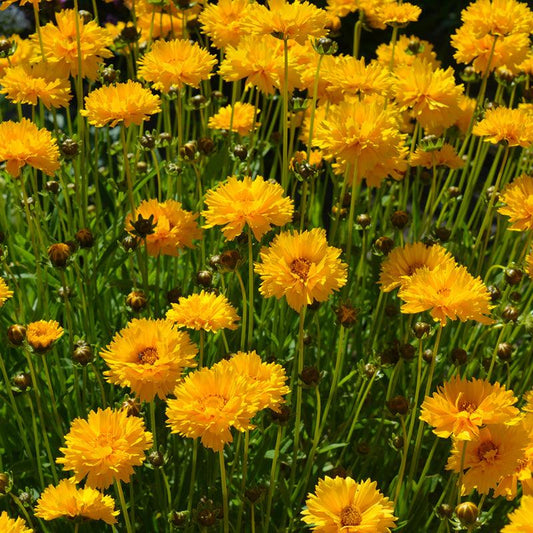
pixel 254 494
pixel 510 313
pixel 4 483
pixel 109 75
pixel 204 278
pixel 136 300
pixel 420 329
pixel 206 517
pixel 494 292
pixel 230 260
pixel 130 34
pixel 369 369
pixel 454 192
pixel 445 510
pixel 240 151
pixel 347 314
pixel 310 376
pixel 282 416
pixel 197 100
pixel 397 442
pixel 407 351
pixel 459 356
pixel 165 137
pixel 143 227
pixel 513 276
pixel 174 295
pixel 467 513
pixel 84 238
pixel 130 243
pixel 156 459
pixel 384 245
pixel 178 518
pixel 398 405
pixel 189 151
pixel 16 334
pixel 443 234
pixel 363 220
pixel 131 406
pixel 83 353
pixel 399 219
pixel 52 186
pixel 206 145
pixel 69 148
pixel 22 380
pixel 59 254
pixel 505 350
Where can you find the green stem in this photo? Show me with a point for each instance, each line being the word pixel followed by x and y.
pixel 224 490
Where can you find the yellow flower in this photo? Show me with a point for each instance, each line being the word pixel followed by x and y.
pixel 407 50
pixel 6 3
pixel 395 14
pixel 5 292
pixel 467 107
pixel 209 402
pixel 306 69
pixel 148 356
pixel 402 263
pixel 255 202
pixel 42 334
pixel 23 143
pixel 529 265
pixel 105 447
pixel 341 8
pixel 517 198
pixel 343 504
pixel 461 407
pixel 67 500
pixel 174 229
pixel 24 52
pixel 301 267
pixel 521 519
pixel 446 156
pixel 13 525
pixel 240 118
pixel 222 21
pixel 128 102
pixel 492 454
pixel 162 24
pixel 514 127
pixel 176 63
pixel 60 44
pixel 447 292
pixel 204 311
pixel 527 65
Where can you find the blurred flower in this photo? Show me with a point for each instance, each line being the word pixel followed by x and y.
pixel 517 198
pixel 5 292
pixel 514 127
pixel 42 334
pixel 240 118
pixel 467 107
pixel 222 22
pixel 443 157
pixel 6 3
pixel 520 518
pixel 397 14
pixel 13 525
pixel 407 50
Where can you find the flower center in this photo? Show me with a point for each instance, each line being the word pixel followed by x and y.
pixel 487 451
pixel 148 356
pixel 214 404
pixel 413 268
pixel 469 407
pixel 445 291
pixel 350 516
pixel 301 267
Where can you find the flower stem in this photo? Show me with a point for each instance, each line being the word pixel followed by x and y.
pixel 118 487
pixel 224 490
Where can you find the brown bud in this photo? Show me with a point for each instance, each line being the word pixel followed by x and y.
pixel 363 220
pixel 22 380
pixel 443 234
pixel 142 167
pixel 399 219
pixel 513 276
pixel 5 46
pixel 494 293
pixel 130 243
pixel 188 151
pixel 130 34
pixel 505 350
pixel 420 329
pixel 16 334
pixel 467 513
pixel 206 517
pixel 427 355
pixel 83 353
pixel 52 186
pixel 204 278
pixel 254 494
pixel 84 238
pixel 206 145
pixel 58 254
pixel 397 442
pixel 156 459
pixel 178 518
pixel 197 100
pixel 131 406
pixel 147 141
pixel 85 16
pixel 338 471
pixel 310 376
pixel 240 151
pixel 229 260
pixel 282 416
pixel 69 148
pixel 454 192
pixel 407 351
pixel 369 369
pixel 165 136
pixel 136 300
pixel 307 340
pixel 174 295
pixel 459 356
pixel 109 75
pixel 445 510
pixel 510 313
pixel 4 483
pixel 346 314
pixel 384 245
pixel 217 95
pixel 398 405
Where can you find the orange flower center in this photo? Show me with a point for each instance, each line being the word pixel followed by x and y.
pixel 487 451
pixel 445 291
pixel 148 356
pixel 301 267
pixel 522 465
pixel 469 407
pixel 350 516
pixel 413 268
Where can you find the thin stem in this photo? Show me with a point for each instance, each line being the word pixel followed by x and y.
pixel 118 487
pixel 224 490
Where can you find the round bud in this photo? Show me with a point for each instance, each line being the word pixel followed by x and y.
pixel 156 459
pixel 369 369
pixel 83 353
pixel 197 100
pixel 5 47
pixel 205 145
pixel 178 518
pixel 398 405
pixel 58 254
pixel 204 278
pixel 459 356
pixel 136 300
pixel 427 355
pixel 494 293
pixel 4 483
pixel 363 220
pixel 84 238
pixel 16 334
pixel 421 328
pixel 414 46
pixel 130 34
pixel 174 295
pixel 281 417
pixel 52 186
pixel 206 517
pixel 467 513
pixel 510 313
pixel 69 148
pixel 217 95
pixel 254 494
pixel 109 75
pixel 164 136
pixel 513 276
pixel 445 510
pixel 407 351
pixel 22 380
pixel 505 350
pixel 131 406
pixel 85 16
pixel 310 376
pixel 240 151
pixel 384 245
pixel 338 471
pixel 454 192
pixel 188 151
pixel 346 315
pixel 397 442
pixel 307 340
pixel 399 219
pixel 230 260
pixel 443 234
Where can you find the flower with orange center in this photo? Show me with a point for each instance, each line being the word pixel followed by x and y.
pixel 521 518
pixel 105 447
pixel 42 334
pixel 5 292
pixel 240 118
pixel 517 198
pixel 513 127
pixel 13 525
pixel 446 156
pixel 222 22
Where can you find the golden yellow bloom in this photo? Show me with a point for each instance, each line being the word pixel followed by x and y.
pixel 467 107
pixel 6 3
pixel 13 525
pixel 128 102
pixel 174 228
pixel 447 292
pixel 23 143
pixel 306 67
pixel 406 51
pixel 301 267
pixel 67 500
pixel 240 118
pixel 343 504
pixel 341 8
pixel 527 65
pixel 461 407
pixel 42 334
pixel 402 263
pixel 446 156
pixel 175 64
pixel 148 356
pixel 517 198
pixel 521 519
pixel 61 46
pixel 5 292
pixel 223 21
pixel 105 447
pixel 209 402
pixel 206 311
pixel 255 202
pixel 395 14
pixel 492 454
pixel 24 52
pixel 164 24
pixel 514 127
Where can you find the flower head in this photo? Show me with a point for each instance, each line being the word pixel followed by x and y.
pixel 5 292
pixel 13 525
pixel 24 52
pixel 42 334
pixel 223 21
pixel 240 118
pixel 397 14
pixel 446 156
pixel 520 519
pixel 407 50
pixel 517 198
pixel 105 447
pixel 514 127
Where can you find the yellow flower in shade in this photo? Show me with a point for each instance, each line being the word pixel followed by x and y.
pixel 402 263
pixel 343 504
pixel 67 500
pixel 204 311
pixel 128 102
pixel 174 228
pixel 432 95
pixel 492 454
pixel 407 50
pixel 447 292
pixel 443 157
pixel 24 52
pixel 270 378
pixel 396 14
pixel 176 63
pixel 105 447
pixel 13 525
pixel 240 118
pixel 25 84
pixel 517 198
pixel 521 519
pixel 255 202
pixel 301 267
pixel 60 44
pixel 23 143
pixel 461 407
pixel 42 334
pixel 467 107
pixel 5 292
pixel 148 356
pixel 163 24
pixel 222 21
pixel 211 401
pixel 514 127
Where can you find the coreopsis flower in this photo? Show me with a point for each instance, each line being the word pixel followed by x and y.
pixel 306 70
pixel 25 84
pixel 341 8
pixel 6 3
pixel 447 292
pixel 60 44
pixel 407 50
pixel 105 447
pixel 461 407
pixel 398 14
pixel 172 227
pixel 23 143
pixel 514 127
pixel 176 63
pixel 211 401
pixel 343 504
pixel 42 334
pixel 517 198
pixel 13 525
pixel 239 118
pixel 24 51
pixel 467 107
pixel 148 356
pixel 204 311
pixel 255 202
pixel 446 156
pixel 163 24
pixel 66 500
pixel 302 267
pixel 222 21
pixel 403 262
pixel 489 456
pixel 521 519
pixel 129 103
pixel 527 65
pixel 5 292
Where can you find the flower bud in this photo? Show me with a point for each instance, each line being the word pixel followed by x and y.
pixel 310 376
pixel 84 238
pixel 58 254
pixel 174 295
pixel 338 471
pixel 325 46
pixel 347 314
pixel 420 329
pixel 85 16
pixel 505 350
pixel 204 278
pixel 156 459
pixel 282 416
pixel 131 406
pixel 467 513
pixel 206 517
pixel 205 145
pixel 16 334
pixel 363 220
pixel 83 353
pixel 130 243
pixel 22 380
pixel 254 494
pixel 130 34
pixel 399 219
pixel 229 260
pixel 407 351
pixel 369 370
pixel 240 151
pixel 4 483
pixel 109 75
pixel 398 442
pixel 494 293
pixel 443 234
pixel 189 151
pixel 513 276
pixel 52 186
pixel 459 356
pixel 136 300
pixel 5 47
pixel 384 245
pixel 510 313
pixel 178 518
pixel 197 100
pixel 445 510
pixel 69 148
pixel 427 355
pixel 398 405
pixel 454 192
